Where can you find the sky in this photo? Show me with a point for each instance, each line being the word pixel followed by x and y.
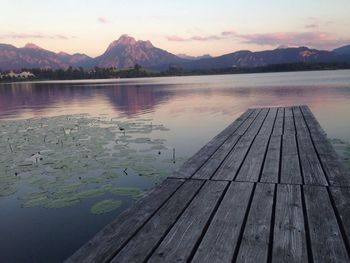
pixel 192 27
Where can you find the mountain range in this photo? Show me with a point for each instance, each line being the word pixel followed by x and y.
pixel 126 52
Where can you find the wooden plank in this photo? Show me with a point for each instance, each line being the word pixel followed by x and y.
pixel 313 124
pixel 326 239
pixel 299 121
pixel 230 166
pixel 107 242
pixel 256 236
pixel 182 238
pixel 258 122
pixel 266 128
pixel 289 127
pixel 209 168
pixel 334 169
pixel 289 242
pixel 220 240
pixel 198 159
pixel 243 128
pixel 290 169
pixel 250 170
pixel 310 164
pixel 341 197
pixel 271 167
pixel 278 127
pixel 147 238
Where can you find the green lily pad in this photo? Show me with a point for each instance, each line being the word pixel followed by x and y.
pixel 127 191
pixel 105 206
pixel 61 202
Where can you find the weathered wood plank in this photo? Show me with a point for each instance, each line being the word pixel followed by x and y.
pixel 300 124
pixel 278 127
pixel 289 127
pixel 290 169
pixel 334 169
pixel 181 240
pixel 313 124
pixel 271 167
pixel 146 239
pixel 289 242
pixel 251 167
pixel 267 127
pixel 198 159
pixel 326 239
pixel 107 242
pixel 208 169
pixel 220 240
pixel 245 125
pixel 310 164
pixel 341 197
pixel 256 236
pixel 257 124
pixel 230 166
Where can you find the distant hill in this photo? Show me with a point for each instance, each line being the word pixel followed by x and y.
pixel 246 58
pixel 126 52
pixel 345 50
pixel 32 56
pixel 193 57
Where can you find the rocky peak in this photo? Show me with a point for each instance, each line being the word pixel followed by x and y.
pixel 32 46
pixel 124 40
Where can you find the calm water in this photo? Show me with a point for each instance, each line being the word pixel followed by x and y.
pixel 193 109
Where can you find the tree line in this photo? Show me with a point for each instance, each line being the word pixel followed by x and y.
pixel 137 71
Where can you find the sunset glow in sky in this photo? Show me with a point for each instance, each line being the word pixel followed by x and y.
pixel 194 27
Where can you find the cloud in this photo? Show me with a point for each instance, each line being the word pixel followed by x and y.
pixel 228 33
pixel 311 26
pixel 34 36
pixel 175 38
pixel 205 38
pixel 316 39
pixel 312 39
pixel 102 20
pixel 222 35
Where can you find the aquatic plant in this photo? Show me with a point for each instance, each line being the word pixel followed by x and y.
pixel 65 159
pixel 105 206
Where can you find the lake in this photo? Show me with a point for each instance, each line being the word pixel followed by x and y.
pixel 75 154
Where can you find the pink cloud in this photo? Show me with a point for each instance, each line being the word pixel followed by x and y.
pixel 34 36
pixel 312 39
pixel 102 20
pixel 205 38
pixel 228 33
pixel 311 26
pixel 223 35
pixel 175 38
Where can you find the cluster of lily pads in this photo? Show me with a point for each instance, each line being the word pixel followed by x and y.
pixel 58 161
pixel 343 150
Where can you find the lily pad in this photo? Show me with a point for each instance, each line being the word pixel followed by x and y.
pixel 127 191
pixel 105 206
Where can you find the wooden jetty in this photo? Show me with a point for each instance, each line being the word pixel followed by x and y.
pixel 269 188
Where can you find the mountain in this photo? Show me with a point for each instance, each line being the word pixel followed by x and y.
pixel 126 52
pixel 76 59
pixel 345 50
pixel 33 56
pixel 246 58
pixel 184 56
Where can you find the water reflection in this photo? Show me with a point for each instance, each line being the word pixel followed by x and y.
pixel 193 108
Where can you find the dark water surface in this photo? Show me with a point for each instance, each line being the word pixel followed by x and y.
pixel 193 109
